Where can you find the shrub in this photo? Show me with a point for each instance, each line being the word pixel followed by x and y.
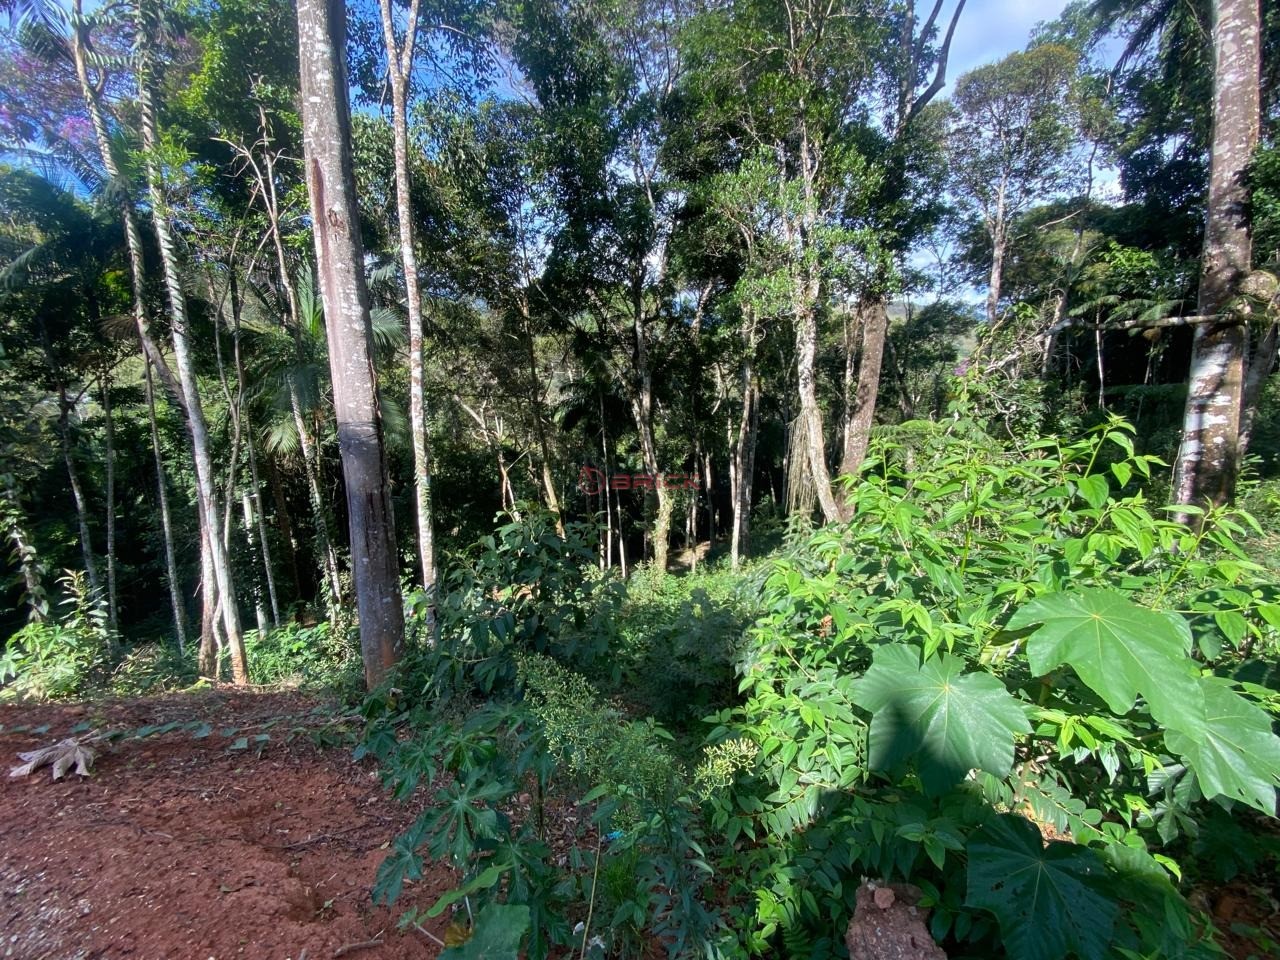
pixel 55 659
pixel 1004 645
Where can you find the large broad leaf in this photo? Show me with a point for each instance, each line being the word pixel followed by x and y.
pixel 1118 648
pixel 1230 746
pixel 495 936
pixel 948 721
pixel 1048 900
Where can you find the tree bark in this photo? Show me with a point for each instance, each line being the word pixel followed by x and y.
pixel 400 69
pixel 744 455
pixel 166 525
pixel 1209 457
pixel 77 494
pixel 860 414
pixel 196 424
pixel 810 419
pixel 326 127
pixel 113 607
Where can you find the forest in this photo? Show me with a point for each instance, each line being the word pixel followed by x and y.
pixel 700 478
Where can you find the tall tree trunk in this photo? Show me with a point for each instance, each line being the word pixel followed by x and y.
pixel 332 582
pixel 166 525
pixel 77 494
pixel 259 514
pixel 400 69
pixel 860 414
pixel 187 376
pixel 207 661
pixel 1209 456
pixel 744 454
pixel 326 125
pixel 810 419
pixel 133 238
pixel 113 607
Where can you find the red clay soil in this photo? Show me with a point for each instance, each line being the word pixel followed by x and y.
pixel 178 849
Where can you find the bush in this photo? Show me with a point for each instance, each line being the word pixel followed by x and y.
pixel 315 654
pixel 1003 646
pixel 55 659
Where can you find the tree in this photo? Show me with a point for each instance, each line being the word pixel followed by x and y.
pixel 206 483
pixel 1209 455
pixel 326 124
pixel 400 70
pixel 1010 142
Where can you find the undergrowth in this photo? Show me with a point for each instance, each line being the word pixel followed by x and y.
pixel 1010 664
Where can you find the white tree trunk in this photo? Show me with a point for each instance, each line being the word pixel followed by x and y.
pixel 196 424
pixel 166 526
pixel 1209 456
pixel 400 69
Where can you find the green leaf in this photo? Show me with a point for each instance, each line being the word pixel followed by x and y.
pixel 1048 900
pixel 1230 747
pixel 1119 649
pixel 496 935
pixel 1095 489
pixel 483 881
pixel 948 721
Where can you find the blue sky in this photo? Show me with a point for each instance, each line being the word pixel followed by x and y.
pixel 989 29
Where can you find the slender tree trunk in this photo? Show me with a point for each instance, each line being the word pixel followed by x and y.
pixel 400 69
pixel 1261 363
pixel 77 494
pixel 166 525
pixel 744 453
pixel 311 469
pixel 113 607
pixel 286 526
pixel 861 414
pixel 332 581
pixel 259 514
pixel 208 656
pixel 539 420
pixel 1209 456
pixel 186 373
pixel 259 608
pixel 133 238
pixel 995 278
pixel 326 126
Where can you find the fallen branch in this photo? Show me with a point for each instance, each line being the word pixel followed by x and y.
pixel 353 947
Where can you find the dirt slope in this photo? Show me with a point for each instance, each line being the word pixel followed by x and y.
pixel 177 848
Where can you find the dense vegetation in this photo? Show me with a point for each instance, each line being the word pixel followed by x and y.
pixel 816 466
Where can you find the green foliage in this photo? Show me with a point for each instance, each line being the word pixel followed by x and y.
pixel 524 588
pixel 495 936
pixel 54 659
pixel 1050 900
pixel 319 654
pixel 946 721
pixel 677 639
pixel 908 677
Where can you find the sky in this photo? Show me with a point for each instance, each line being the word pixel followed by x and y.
pixel 988 29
